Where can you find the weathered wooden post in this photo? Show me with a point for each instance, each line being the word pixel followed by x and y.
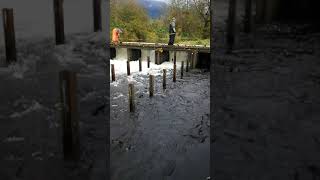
pixel 148 59
pixel 128 68
pixel 192 60
pixel 174 72
pixel 158 58
pixel 113 74
pixel 231 24
pixel 9 35
pixel 175 57
pixel 248 16
pixel 140 65
pixel 164 84
pixel 97 15
pixel 59 22
pixel 182 69
pixel 151 85
pixel 260 11
pixel 195 59
pixel 187 65
pixel 70 117
pixel 131 98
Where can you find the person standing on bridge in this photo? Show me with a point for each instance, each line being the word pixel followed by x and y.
pixel 172 31
pixel 116 35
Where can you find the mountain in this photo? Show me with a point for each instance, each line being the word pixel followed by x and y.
pixel 155 8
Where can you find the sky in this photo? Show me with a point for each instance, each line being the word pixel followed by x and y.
pixel 167 1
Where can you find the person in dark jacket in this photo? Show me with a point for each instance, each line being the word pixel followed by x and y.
pixel 172 31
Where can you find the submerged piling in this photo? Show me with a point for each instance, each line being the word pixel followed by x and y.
pixel 70 116
pixel 188 61
pixel 140 65
pixel 131 98
pixel 151 85
pixel 164 84
pixel 113 74
pixel 59 22
pixel 174 72
pixel 97 15
pixel 231 24
pixel 9 35
pixel 182 69
pixel 248 20
pixel 128 68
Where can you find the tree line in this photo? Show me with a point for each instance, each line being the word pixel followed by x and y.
pixel 192 21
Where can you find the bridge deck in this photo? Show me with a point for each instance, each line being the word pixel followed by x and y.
pixel 176 47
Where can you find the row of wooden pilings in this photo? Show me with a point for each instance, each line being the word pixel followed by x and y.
pixel 69 105
pixel 68 80
pixel 151 78
pixel 9 30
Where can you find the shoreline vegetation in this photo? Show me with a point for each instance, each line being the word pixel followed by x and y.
pixel 192 22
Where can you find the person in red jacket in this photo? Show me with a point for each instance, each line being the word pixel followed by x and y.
pixel 116 35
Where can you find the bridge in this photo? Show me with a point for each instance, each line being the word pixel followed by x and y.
pixel 197 55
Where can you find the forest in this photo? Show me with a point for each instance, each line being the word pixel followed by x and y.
pixel 192 21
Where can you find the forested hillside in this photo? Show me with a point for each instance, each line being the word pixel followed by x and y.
pixel 192 21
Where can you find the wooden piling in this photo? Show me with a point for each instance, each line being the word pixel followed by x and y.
pixel 231 24
pixel 131 98
pixel 182 64
pixel 148 59
pixel 9 35
pixel 59 22
pixel 195 59
pixel 128 68
pixel 192 60
pixel 140 65
pixel 70 116
pixel 248 17
pixel 97 15
pixel 175 57
pixel 113 74
pixel 151 85
pixel 158 58
pixel 164 84
pixel 174 72
pixel 187 65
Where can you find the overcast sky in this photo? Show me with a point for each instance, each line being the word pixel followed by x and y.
pixel 164 0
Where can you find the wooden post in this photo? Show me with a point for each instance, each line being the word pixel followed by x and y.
pixel 140 65
pixel 128 68
pixel 148 59
pixel 59 22
pixel 175 57
pixel 131 98
pixel 164 84
pixel 187 65
pixel 174 72
pixel 192 60
pixel 70 117
pixel 248 16
pixel 113 72
pixel 260 11
pixel 195 59
pixel 231 24
pixel 151 85
pixel 97 15
pixel 182 69
pixel 9 35
pixel 158 58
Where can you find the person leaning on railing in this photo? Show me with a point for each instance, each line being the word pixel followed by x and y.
pixel 172 31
